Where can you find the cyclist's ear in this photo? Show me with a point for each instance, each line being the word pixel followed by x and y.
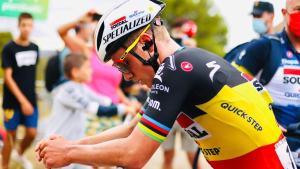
pixel 147 45
pixel 146 41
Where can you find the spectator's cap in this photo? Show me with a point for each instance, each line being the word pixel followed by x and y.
pixel 189 26
pixel 260 7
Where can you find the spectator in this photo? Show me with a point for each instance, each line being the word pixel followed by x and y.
pixel 19 60
pixel 263 16
pixel 79 44
pixel 72 99
pixel 278 59
pixel 262 23
pixel 105 78
pixel 2 137
pixel 182 31
pixel 83 29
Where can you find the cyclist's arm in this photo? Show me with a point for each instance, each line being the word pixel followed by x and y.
pixel 117 132
pixel 159 115
pixel 252 59
pixel 131 152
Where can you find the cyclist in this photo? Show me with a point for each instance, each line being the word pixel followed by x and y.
pixel 226 112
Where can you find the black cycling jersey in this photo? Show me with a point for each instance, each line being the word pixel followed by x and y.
pixel 216 105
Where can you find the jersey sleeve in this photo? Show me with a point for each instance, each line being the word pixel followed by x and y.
pixel 168 92
pixel 254 56
pixel 6 57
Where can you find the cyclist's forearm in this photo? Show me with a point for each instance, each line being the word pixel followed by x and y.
pixel 117 132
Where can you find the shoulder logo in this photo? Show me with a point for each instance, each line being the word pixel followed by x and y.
pixel 289 54
pixel 186 66
pixel 159 72
pixel 215 67
pixel 242 54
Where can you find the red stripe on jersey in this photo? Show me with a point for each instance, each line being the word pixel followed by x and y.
pixel 184 121
pixel 264 157
pixel 148 123
pixel 292 71
pixel 247 76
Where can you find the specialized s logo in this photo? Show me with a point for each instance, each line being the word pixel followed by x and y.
pixel 159 72
pixel 186 66
pixel 215 67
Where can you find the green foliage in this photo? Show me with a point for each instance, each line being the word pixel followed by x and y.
pixel 5 37
pixel 212 30
pixel 40 71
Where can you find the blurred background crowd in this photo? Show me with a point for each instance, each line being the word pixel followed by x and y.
pixel 56 84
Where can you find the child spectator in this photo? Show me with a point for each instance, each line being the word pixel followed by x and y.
pixel 72 99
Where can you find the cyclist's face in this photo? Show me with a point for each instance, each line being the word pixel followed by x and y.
pixel 132 68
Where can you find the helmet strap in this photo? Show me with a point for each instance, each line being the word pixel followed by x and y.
pixel 152 61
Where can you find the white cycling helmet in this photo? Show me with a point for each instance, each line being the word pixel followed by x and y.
pixel 116 24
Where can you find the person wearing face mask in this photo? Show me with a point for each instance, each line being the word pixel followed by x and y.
pixel 262 24
pixel 263 15
pixel 278 60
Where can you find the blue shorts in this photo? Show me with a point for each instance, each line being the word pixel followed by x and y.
pixel 14 117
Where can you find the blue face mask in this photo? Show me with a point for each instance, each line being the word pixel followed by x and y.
pixel 259 26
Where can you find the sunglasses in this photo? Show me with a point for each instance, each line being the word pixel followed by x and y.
pixel 121 64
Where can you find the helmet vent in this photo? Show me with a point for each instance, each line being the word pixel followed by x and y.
pixel 100 33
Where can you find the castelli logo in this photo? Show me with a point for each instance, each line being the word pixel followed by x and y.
pixel 186 66
pixel 289 54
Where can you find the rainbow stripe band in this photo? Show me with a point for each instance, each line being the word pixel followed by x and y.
pixel 139 115
pixel 153 129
